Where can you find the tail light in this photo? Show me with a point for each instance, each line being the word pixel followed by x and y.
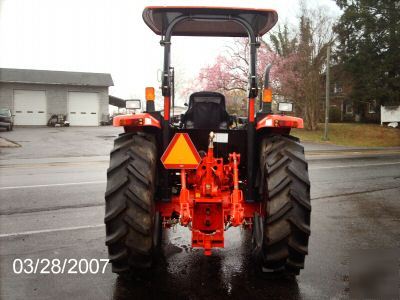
pixel 150 94
pixel 267 95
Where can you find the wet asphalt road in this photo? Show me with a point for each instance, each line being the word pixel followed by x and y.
pixel 57 212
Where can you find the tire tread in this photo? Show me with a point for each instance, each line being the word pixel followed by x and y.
pixel 130 206
pixel 286 197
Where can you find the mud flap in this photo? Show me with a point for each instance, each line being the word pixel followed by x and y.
pixel 258 237
pixel 157 232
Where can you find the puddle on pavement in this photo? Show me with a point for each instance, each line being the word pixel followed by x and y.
pixel 185 273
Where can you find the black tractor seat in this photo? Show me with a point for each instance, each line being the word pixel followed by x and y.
pixel 206 111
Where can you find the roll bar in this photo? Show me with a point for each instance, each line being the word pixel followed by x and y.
pixel 166 43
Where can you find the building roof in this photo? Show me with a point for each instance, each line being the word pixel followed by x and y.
pixel 55 77
pixel 112 100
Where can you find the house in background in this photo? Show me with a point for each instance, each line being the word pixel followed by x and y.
pixel 345 109
pixel 35 95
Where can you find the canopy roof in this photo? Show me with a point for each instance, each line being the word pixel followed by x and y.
pixel 209 21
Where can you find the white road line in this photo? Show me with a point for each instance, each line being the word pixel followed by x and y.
pixel 15 234
pixel 354 166
pixel 49 185
pixel 102 182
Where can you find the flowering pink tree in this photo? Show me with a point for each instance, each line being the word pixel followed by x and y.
pixel 230 71
pixel 298 65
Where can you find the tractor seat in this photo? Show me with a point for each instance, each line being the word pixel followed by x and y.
pixel 206 111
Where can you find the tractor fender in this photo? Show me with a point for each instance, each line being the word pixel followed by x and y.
pixel 136 120
pixel 280 121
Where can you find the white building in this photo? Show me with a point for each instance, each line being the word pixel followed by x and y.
pixel 35 95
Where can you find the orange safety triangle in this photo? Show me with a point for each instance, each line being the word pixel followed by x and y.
pixel 181 153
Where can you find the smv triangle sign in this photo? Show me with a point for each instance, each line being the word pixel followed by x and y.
pixel 181 153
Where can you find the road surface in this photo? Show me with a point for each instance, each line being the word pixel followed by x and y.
pixel 53 208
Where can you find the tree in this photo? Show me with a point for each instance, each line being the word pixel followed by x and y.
pixel 229 74
pixel 298 61
pixel 369 48
pixel 315 35
pixel 282 42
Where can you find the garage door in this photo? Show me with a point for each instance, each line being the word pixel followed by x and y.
pixel 83 109
pixel 30 107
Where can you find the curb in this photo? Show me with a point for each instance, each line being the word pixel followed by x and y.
pixel 5 143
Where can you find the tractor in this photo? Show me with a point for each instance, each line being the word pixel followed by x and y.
pixel 210 171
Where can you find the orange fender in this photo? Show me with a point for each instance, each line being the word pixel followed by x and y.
pixel 280 121
pixel 136 120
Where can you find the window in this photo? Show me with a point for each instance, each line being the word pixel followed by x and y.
pixel 372 107
pixel 337 88
pixel 349 108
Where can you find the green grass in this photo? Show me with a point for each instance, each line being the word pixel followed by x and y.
pixel 353 134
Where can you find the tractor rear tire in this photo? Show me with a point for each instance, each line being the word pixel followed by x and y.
pixel 130 213
pixel 285 192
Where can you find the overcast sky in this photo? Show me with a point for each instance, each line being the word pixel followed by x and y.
pixel 110 36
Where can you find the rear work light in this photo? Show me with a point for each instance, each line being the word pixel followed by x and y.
pixel 133 104
pixel 285 106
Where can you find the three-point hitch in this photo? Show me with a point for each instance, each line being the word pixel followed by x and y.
pixel 210 200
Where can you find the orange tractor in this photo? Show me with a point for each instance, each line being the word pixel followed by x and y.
pixel 209 171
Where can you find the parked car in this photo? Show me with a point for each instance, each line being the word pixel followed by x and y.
pixel 6 119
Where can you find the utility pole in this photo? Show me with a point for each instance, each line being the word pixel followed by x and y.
pixel 328 55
